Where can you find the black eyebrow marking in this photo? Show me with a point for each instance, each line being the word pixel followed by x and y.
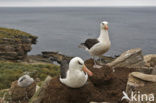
pixel 22 79
pixel 79 63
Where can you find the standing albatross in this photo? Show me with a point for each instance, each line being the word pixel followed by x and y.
pixel 99 46
pixel 73 73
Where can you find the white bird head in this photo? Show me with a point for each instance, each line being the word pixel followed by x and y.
pixel 104 25
pixel 78 64
pixel 25 81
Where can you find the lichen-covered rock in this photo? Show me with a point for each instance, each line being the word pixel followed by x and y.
pixel 132 58
pixel 18 93
pixel 15 44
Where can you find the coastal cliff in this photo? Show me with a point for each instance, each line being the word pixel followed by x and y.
pixel 15 44
pixel 131 71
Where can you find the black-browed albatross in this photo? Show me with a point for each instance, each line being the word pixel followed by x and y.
pixel 25 81
pixel 73 73
pixel 99 46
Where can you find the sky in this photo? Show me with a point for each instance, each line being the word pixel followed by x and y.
pixel 43 3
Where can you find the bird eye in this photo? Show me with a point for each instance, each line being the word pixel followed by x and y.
pixel 22 79
pixel 80 63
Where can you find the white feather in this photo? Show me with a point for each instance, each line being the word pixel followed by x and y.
pixel 75 78
pixel 25 81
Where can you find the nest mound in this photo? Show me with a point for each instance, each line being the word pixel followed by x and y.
pixel 58 93
pixel 101 75
pixel 104 86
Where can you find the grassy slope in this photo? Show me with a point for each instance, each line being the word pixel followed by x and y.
pixel 10 71
pixel 13 33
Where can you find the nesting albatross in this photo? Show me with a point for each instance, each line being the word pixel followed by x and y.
pixel 99 46
pixel 25 81
pixel 74 73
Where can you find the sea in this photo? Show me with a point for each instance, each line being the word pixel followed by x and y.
pixel 62 29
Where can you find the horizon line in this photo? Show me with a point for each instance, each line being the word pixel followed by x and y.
pixel 86 6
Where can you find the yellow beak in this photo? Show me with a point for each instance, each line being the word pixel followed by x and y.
pixel 106 27
pixel 85 69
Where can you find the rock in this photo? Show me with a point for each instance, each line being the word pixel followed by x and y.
pixel 56 56
pixel 18 93
pixel 132 58
pixel 145 77
pixel 15 44
pixel 137 85
pixel 145 70
pixel 150 60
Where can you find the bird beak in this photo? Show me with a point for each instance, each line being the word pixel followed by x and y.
pixel 106 27
pixel 85 69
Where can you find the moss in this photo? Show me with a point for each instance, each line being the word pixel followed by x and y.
pixel 13 33
pixel 10 71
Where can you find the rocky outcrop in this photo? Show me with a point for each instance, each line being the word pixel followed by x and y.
pixel 140 83
pixel 15 44
pixel 21 94
pixel 145 77
pixel 150 60
pixel 132 58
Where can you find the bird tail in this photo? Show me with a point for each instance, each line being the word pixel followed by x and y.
pixel 82 45
pixel 53 59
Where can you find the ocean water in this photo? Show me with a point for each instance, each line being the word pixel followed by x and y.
pixel 63 29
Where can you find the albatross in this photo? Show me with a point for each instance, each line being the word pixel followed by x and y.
pixel 73 73
pixel 97 47
pixel 25 81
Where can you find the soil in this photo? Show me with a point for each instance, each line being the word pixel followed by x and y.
pixel 145 89
pixel 104 86
pixel 111 89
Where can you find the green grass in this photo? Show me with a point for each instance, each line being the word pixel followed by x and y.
pixel 13 33
pixel 10 72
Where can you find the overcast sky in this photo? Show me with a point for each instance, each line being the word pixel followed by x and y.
pixel 77 3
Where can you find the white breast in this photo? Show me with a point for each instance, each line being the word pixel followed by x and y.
pixel 100 48
pixel 75 79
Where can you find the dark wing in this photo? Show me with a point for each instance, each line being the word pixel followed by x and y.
pixel 64 65
pixel 64 68
pixel 89 43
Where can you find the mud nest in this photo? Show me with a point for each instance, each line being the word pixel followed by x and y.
pixel 104 86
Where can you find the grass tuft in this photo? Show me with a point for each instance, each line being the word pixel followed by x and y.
pixel 10 72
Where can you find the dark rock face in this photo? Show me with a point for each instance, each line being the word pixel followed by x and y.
pixel 15 48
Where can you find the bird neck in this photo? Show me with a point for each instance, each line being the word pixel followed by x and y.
pixel 104 36
pixel 73 68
